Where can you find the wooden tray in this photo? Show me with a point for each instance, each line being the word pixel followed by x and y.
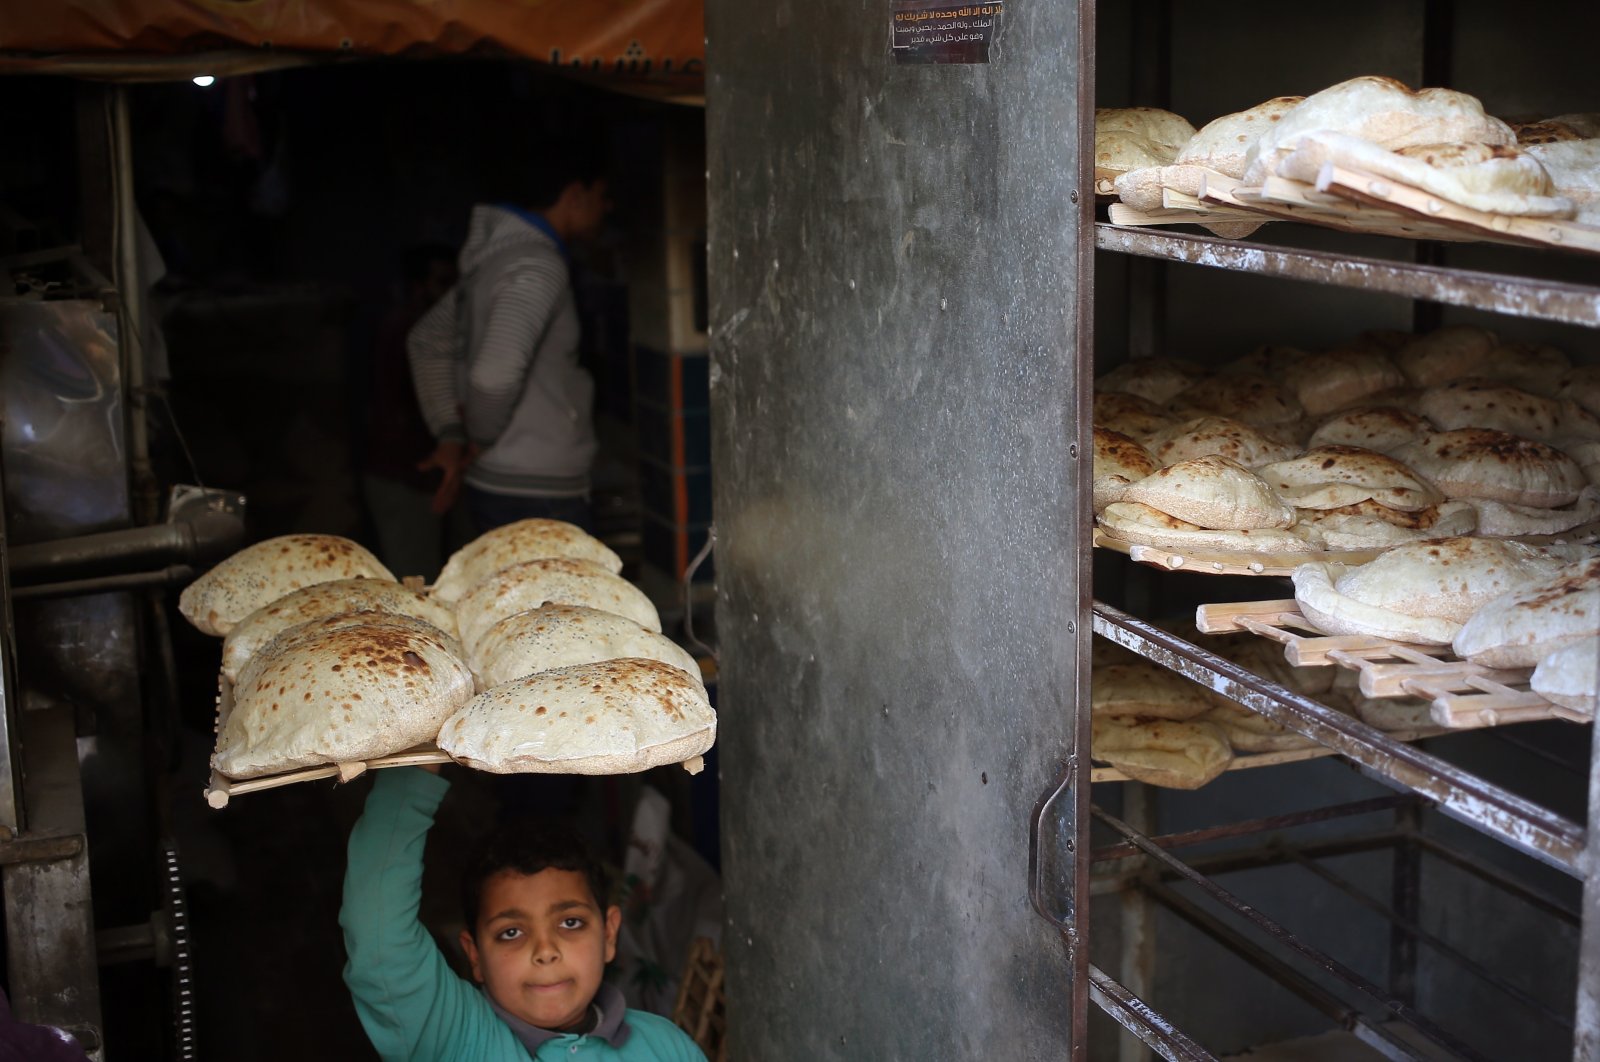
pixel 1227 562
pixel 220 789
pixel 1463 695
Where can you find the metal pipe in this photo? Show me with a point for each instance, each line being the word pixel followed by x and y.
pixel 130 290
pixel 1415 931
pixel 1283 936
pixel 103 584
pixel 1135 1015
pixel 1470 799
pixel 1518 296
pixel 1250 859
pixel 208 536
pixel 1252 826
pixel 1381 1039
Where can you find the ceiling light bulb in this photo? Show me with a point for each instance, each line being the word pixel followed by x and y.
pixel 205 80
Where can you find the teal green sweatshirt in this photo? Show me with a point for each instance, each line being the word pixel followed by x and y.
pixel 411 1003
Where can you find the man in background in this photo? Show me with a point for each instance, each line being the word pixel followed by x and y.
pixel 496 359
pixel 408 512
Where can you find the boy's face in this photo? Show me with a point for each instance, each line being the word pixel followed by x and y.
pixel 541 945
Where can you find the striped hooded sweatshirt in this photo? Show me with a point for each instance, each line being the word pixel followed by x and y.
pixel 496 362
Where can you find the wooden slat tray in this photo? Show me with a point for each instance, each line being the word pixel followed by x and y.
pixel 1226 562
pixel 1463 695
pixel 220 789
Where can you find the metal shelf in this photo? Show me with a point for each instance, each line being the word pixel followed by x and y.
pixel 1465 797
pixel 1549 300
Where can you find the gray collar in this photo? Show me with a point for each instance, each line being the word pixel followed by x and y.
pixel 610 1012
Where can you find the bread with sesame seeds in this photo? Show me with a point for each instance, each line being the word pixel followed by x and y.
pixel 613 717
pixel 340 689
pixel 260 574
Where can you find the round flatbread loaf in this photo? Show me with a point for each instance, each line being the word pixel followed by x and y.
pixel 325 599
pixel 1523 627
pixel 1224 144
pixel 1273 362
pixel 1158 380
pixel 525 540
pixel 1380 428
pixel 1118 461
pixel 1446 354
pixel 1582 385
pixel 1368 525
pixel 1212 492
pixel 1149 690
pixel 1570 677
pixel 614 717
pixel 1500 520
pixel 1533 367
pixel 1332 612
pixel 1340 378
pixel 1133 416
pixel 1254 400
pixel 557 636
pixel 1206 436
pixel 334 691
pixel 1478 403
pixel 260 574
pixel 1135 522
pixel 1330 477
pixel 1164 752
pixel 1495 465
pixel 533 583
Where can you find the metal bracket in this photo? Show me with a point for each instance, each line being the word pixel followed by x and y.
pixel 47 848
pixel 1052 851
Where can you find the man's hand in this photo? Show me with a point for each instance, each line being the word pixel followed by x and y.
pixel 452 458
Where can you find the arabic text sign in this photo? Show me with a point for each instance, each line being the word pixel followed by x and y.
pixel 923 32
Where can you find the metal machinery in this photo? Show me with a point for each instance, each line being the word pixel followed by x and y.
pixel 907 277
pixel 87 681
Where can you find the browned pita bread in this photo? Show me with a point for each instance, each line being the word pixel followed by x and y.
pixel 1212 492
pixel 1118 461
pixel 1380 428
pixel 1254 400
pixel 1330 477
pixel 260 574
pixel 1157 379
pixel 1495 465
pixel 1221 436
pixel 1523 627
pixel 1446 354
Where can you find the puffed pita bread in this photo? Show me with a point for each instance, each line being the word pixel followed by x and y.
pixel 533 583
pixel 1144 689
pixel 333 691
pixel 260 574
pixel 1337 379
pixel 1380 428
pixel 1221 436
pixel 1133 522
pixel 1223 144
pixel 1584 451
pixel 1478 403
pixel 1330 477
pixel 1158 380
pixel 1523 627
pixel 1118 461
pixel 1212 492
pixel 325 599
pixel 1497 466
pixel 557 636
pixel 1382 111
pixel 525 540
pixel 1497 178
pixel 1133 138
pixel 1570 677
pixel 1448 353
pixel 1164 752
pixel 1270 360
pixel 1371 526
pixel 1582 385
pixel 1249 731
pixel 1422 592
pixel 1331 612
pixel 1254 400
pixel 1534 367
pixel 1499 520
pixel 1574 168
pixel 613 717
pixel 1131 415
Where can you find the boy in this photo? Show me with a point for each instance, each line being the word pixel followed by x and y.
pixel 538 938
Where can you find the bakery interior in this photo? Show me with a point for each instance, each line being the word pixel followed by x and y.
pixel 1000 770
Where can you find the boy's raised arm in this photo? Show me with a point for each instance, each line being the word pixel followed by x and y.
pixel 405 993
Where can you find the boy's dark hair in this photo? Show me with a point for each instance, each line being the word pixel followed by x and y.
pixel 527 846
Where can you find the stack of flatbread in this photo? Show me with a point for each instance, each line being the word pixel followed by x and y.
pixel 1145 724
pixel 1423 592
pixel 1348 498
pixel 1133 138
pixel 1209 503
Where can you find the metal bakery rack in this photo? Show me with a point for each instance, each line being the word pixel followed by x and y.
pixel 1128 862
